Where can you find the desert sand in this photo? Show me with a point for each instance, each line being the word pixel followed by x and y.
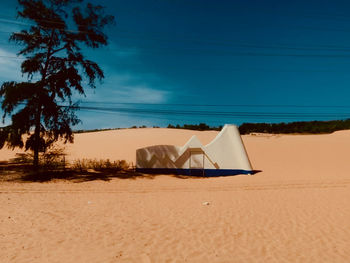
pixel 297 209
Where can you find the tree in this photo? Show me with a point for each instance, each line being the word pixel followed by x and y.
pixel 42 109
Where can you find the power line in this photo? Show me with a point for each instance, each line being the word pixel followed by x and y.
pixel 174 51
pixel 225 69
pixel 206 117
pixel 205 114
pixel 278 115
pixel 203 105
pixel 177 51
pixel 54 22
pixel 52 59
pixel 237 54
pixel 152 116
pixel 196 41
pixel 329 48
pixel 231 43
pixel 218 105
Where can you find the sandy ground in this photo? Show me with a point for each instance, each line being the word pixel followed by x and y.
pixel 296 210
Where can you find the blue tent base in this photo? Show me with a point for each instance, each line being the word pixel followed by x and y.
pixel 194 172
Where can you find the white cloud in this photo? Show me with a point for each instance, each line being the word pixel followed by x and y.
pixel 129 88
pixel 140 94
pixel 101 120
pixel 125 88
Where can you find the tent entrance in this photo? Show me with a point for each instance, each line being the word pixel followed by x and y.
pixel 196 168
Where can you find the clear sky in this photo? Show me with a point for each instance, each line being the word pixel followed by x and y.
pixel 192 61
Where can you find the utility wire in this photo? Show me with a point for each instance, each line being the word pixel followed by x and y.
pixel 217 105
pixel 325 48
pixel 99 103
pixel 234 54
pixel 230 44
pixel 211 68
pixel 218 113
pixel 196 41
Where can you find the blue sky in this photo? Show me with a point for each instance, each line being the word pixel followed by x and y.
pixel 178 61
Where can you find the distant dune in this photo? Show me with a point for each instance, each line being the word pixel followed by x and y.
pixel 295 210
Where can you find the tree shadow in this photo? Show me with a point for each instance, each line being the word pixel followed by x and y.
pixel 81 176
pixel 13 172
pixel 22 172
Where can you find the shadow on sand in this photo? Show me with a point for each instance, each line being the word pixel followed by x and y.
pixel 15 172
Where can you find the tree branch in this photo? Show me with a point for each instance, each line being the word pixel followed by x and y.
pixel 57 50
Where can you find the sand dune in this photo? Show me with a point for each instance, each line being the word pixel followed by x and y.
pixel 295 210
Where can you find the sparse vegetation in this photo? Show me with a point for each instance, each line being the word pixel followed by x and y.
pixel 100 165
pixel 196 127
pixel 52 168
pixel 305 127
pixel 96 130
pixel 135 127
pixel 52 159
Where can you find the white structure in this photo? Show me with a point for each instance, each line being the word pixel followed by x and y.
pixel 225 155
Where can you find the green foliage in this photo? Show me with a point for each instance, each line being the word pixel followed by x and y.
pixel 196 127
pixel 313 127
pixel 52 47
pixel 96 130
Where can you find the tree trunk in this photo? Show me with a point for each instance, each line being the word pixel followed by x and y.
pixel 38 113
pixel 37 138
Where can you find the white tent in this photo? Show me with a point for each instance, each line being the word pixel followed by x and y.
pixel 225 155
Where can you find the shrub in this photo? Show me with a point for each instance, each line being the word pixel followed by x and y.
pixel 54 158
pixel 100 165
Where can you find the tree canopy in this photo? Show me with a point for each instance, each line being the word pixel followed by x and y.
pixel 42 107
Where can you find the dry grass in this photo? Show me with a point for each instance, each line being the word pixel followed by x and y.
pixel 100 165
pixel 54 167
pixel 53 159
